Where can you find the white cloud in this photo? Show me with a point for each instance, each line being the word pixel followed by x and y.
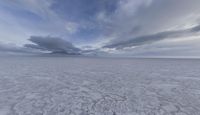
pixel 71 27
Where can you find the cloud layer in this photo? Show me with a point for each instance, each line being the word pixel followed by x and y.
pixel 52 44
pixel 111 26
pixel 148 39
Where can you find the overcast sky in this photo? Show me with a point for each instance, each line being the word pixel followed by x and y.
pixel 118 27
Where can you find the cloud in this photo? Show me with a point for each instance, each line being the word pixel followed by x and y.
pixel 168 48
pixel 71 27
pixel 14 49
pixel 41 45
pixel 9 48
pixel 148 39
pixel 52 44
pixel 37 7
pixel 116 24
pixel 149 21
pixel 195 29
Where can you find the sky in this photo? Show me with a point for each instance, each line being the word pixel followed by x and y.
pixel 103 27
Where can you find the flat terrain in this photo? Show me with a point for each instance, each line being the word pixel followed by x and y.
pixel 99 86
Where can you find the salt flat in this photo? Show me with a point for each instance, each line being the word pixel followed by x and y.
pixel 99 86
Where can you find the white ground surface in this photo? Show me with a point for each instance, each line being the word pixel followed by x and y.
pixel 89 86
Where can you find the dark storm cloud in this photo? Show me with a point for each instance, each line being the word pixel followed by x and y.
pixel 52 44
pixel 141 40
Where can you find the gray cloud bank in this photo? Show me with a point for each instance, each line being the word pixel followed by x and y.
pixel 52 44
pixel 41 45
pixel 148 39
pixel 12 48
